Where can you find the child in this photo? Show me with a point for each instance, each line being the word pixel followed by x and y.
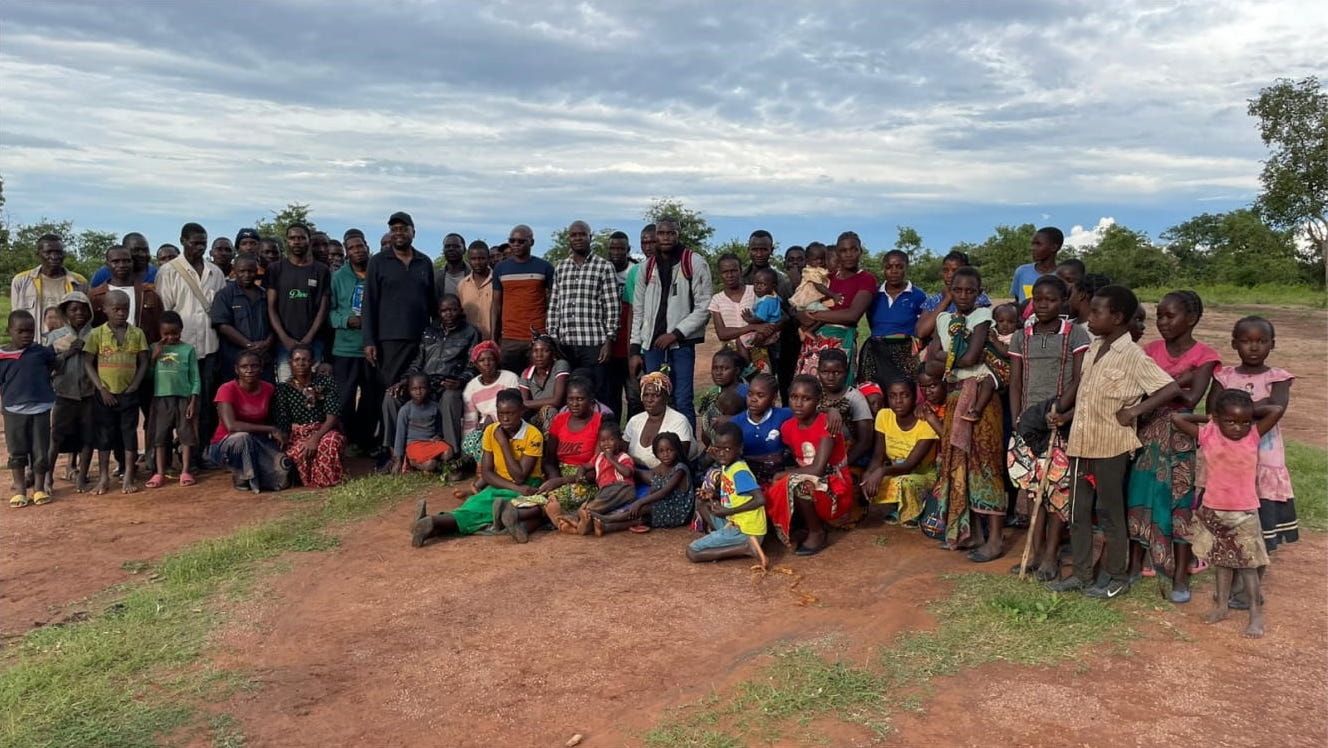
pixel 1045 359
pixel 934 394
pixel 511 449
pixel 614 474
pixel 766 310
pixel 669 502
pixel 1081 300
pixel 419 433
pixel 1139 325
pixel 1005 318
pixel 25 387
pixel 736 521
pixel 873 394
pixel 902 469
pixel 1161 487
pixel 1226 531
pixel 175 388
pixel 71 418
pixel 1102 437
pixel 116 360
pixel 813 291
pixel 725 367
pixel 1253 339
pixel 52 320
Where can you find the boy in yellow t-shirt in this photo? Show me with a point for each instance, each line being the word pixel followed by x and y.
pixel 903 461
pixel 115 358
pixel 737 519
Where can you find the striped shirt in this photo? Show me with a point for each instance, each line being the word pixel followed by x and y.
pixel 1123 376
pixel 584 308
pixel 525 289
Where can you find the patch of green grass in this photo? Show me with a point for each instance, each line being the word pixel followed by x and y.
pixel 1309 476
pixel 127 676
pixel 1265 293
pixel 4 315
pixel 987 618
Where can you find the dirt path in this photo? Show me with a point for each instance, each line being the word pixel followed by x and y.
pixel 482 642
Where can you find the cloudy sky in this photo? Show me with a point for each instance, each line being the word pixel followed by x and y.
pixel 803 118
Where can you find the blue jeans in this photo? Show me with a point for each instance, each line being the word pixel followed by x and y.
pixel 682 370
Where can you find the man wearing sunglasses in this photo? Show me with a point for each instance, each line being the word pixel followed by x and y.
pixel 521 287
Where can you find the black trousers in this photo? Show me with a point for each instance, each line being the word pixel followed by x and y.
pixel 584 361
pixel 615 387
pixel 394 357
pixel 359 395
pixel 1108 497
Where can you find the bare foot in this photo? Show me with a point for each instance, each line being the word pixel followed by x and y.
pixel 80 483
pixel 103 485
pixel 128 485
pixel 1216 615
pixel 1255 628
pixel 971 416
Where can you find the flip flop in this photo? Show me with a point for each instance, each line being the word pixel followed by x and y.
pixel 1198 566
pixel 156 480
pixel 187 478
pixel 640 529
pixel 978 557
pixel 1148 572
pixel 19 500
pixel 41 497
pixel 805 551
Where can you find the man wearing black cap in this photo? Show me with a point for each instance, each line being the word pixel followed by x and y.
pixel 399 299
pixel 246 242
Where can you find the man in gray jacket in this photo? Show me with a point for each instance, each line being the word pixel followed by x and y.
pixel 669 314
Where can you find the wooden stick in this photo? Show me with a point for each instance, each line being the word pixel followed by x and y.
pixel 1037 500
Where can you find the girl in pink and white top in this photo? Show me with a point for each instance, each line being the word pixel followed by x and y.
pixel 1253 339
pixel 1226 524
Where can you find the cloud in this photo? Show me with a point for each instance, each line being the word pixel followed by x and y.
pixel 1080 238
pixel 491 113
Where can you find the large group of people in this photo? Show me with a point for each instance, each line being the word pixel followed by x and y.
pixel 561 397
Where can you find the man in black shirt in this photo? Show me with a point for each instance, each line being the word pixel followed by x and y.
pixel 399 299
pixel 298 289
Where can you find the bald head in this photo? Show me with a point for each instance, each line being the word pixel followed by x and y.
pixel 578 238
pixel 522 240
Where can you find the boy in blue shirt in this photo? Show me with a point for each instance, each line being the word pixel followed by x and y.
pixel 1046 243
pixel 25 387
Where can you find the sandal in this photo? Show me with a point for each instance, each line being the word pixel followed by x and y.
pixel 1148 572
pixel 1198 566
pixel 41 497
pixel 19 500
pixel 187 478
pixel 155 481
pixel 640 529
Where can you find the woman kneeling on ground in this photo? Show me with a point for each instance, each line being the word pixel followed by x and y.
pixel 570 444
pixel 245 442
pixel 510 454
pixel 306 408
pixel 903 463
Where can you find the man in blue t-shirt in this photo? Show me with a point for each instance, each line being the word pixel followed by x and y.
pixel 1046 243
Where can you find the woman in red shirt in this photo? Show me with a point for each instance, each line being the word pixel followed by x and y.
pixel 245 441
pixel 570 444
pixel 819 490
pixel 854 290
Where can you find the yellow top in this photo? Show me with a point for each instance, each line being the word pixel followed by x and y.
pixel 528 442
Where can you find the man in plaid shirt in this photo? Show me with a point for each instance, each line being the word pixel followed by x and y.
pixel 583 311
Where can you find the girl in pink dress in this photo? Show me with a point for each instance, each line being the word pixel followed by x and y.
pixel 1253 339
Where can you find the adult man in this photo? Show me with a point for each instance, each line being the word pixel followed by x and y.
pixel 269 251
pixel 165 253
pixel 351 372
pixel 615 369
pixel 476 289
pixel 583 308
pixel 297 298
pixel 318 245
pixel 454 269
pixel 144 271
pixel 444 357
pixel 223 252
pixel 520 299
pixel 187 286
pixel 247 241
pixel 399 298
pixel 669 313
pixel 144 304
pixel 44 286
pixel 239 312
pixel 336 255
pixel 759 246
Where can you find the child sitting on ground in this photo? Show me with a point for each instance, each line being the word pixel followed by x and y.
pixel 1226 527
pixel 1005 321
pixel 614 473
pixel 116 360
pixel 25 387
pixel 419 432
pixel 736 519
pixel 176 386
pixel 903 468
pixel 669 502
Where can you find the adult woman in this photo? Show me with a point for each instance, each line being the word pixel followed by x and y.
pixel 245 441
pixel 306 409
pixel 819 489
pixel 543 384
pixel 657 417
pixel 569 447
pixel 480 396
pixel 890 353
pixel 853 289
pixel 762 448
pixel 943 300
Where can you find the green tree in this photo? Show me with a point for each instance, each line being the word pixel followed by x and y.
pixel 910 241
pixel 1129 257
pixel 1000 254
pixel 559 249
pixel 275 227
pixel 1293 123
pixel 1236 247
pixel 694 231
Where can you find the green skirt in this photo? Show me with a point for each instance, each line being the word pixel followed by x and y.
pixel 476 513
pixel 1161 490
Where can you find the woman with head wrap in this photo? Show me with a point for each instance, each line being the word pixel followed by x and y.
pixel 480 396
pixel 658 418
